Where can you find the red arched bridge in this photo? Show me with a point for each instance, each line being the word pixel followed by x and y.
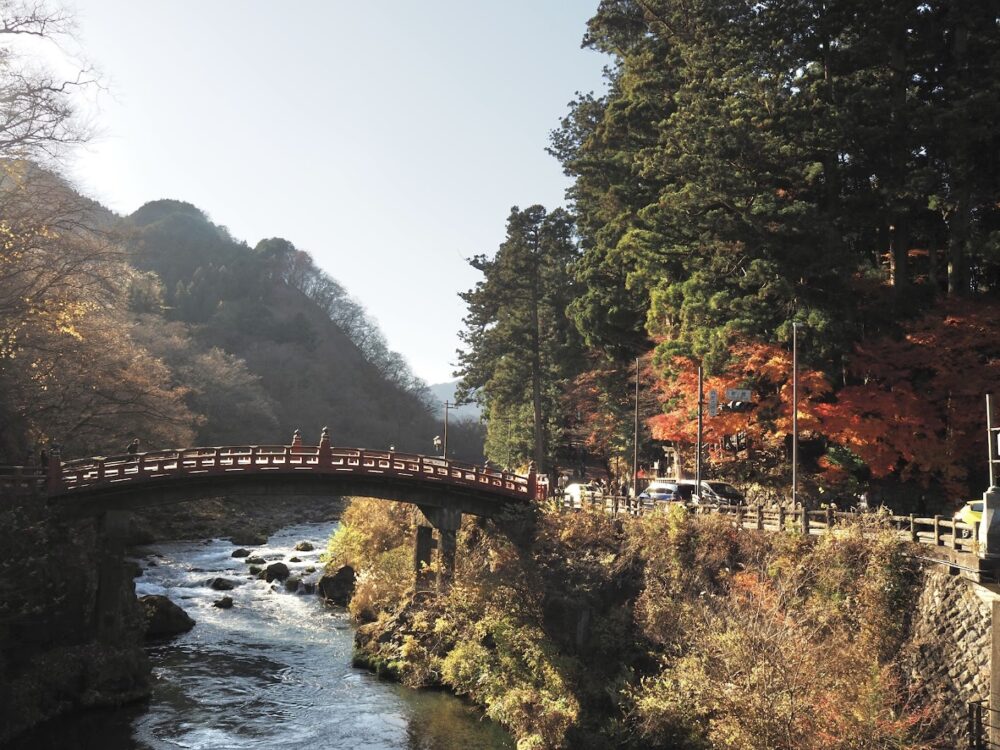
pixel 106 487
pixel 126 482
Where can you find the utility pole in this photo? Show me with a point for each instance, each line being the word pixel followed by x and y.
pixel 635 435
pixel 447 405
pixel 795 414
pixel 701 404
pixel 508 443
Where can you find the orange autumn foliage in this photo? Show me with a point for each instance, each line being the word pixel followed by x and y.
pixel 763 368
pixel 909 406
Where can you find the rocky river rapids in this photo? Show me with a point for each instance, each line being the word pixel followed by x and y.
pixel 272 672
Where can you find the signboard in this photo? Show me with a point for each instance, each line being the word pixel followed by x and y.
pixel 739 394
pixel 713 403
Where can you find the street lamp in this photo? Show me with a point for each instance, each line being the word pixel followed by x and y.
pixel 795 413
pixel 447 405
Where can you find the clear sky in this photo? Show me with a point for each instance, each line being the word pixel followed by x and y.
pixel 389 139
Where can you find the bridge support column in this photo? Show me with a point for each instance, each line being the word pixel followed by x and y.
pixel 446 521
pixel 422 558
pixel 112 529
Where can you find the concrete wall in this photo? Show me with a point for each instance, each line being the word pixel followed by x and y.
pixel 950 645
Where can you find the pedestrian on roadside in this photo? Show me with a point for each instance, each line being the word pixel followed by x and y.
pixel 133 447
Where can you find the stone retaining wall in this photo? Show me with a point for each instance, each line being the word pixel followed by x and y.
pixel 950 642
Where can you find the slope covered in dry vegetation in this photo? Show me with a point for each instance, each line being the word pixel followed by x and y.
pixel 666 631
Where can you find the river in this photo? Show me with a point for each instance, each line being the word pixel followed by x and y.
pixel 273 672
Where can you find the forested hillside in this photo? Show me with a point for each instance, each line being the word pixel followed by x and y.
pixel 162 326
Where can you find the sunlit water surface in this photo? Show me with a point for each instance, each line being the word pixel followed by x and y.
pixel 272 672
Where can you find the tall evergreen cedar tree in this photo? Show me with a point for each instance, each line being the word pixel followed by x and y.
pixel 748 165
pixel 521 348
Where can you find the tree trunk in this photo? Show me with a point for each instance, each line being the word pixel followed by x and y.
pixel 899 230
pixel 536 365
pixel 958 224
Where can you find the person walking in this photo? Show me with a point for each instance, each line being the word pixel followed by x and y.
pixel 133 447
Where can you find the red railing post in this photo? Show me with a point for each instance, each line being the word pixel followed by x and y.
pixel 324 448
pixel 53 471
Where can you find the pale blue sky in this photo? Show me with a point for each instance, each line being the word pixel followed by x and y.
pixel 389 139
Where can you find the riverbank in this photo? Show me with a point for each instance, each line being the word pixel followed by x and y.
pixel 52 658
pixel 669 630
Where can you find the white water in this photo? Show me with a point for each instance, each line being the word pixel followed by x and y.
pixel 271 673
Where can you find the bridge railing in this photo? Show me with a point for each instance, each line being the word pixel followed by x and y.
pixel 151 466
pixel 946 533
pixel 21 480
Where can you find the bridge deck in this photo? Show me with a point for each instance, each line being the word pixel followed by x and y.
pixel 99 474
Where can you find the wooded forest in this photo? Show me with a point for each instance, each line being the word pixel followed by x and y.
pixel 160 325
pixel 748 167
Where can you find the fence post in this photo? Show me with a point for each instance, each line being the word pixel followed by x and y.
pixel 913 528
pixel 781 518
pixel 829 517
pixel 805 521
pixel 739 517
pixel 937 531
pixel 760 517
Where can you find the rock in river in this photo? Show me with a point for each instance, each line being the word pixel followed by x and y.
pixel 276 571
pixel 221 584
pixel 339 587
pixel 304 547
pixel 164 619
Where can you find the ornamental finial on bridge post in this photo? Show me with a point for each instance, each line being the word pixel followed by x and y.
pixel 52 463
pixel 324 444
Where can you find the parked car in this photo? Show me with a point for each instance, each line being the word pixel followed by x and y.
pixel 722 493
pixel 667 490
pixel 684 490
pixel 577 492
pixel 661 491
pixel 970 513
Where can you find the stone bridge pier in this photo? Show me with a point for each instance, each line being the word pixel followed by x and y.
pixel 446 522
pixel 112 529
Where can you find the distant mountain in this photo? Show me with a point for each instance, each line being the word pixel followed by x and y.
pixel 442 392
pixel 308 357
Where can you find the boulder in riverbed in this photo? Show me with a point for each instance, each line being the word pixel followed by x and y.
pixel 241 552
pixel 304 547
pixel 276 571
pixel 225 602
pixel 221 584
pixel 255 560
pixel 164 619
pixel 292 583
pixel 249 538
pixel 294 559
pixel 339 587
